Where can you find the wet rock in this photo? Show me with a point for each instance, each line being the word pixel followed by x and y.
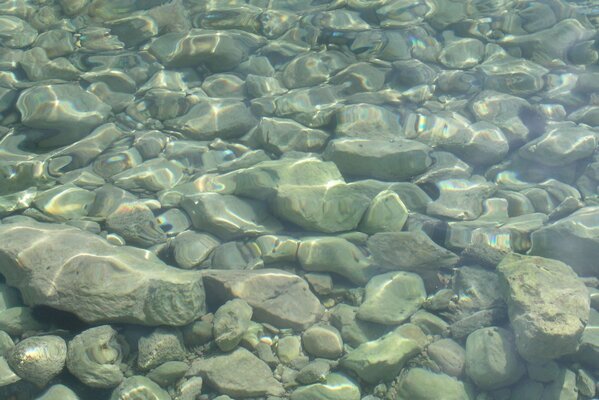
pixel 460 198
pixel 139 386
pixel 552 325
pixel 231 321
pixel 354 331
pixel 313 107
pixel 224 86
pixel 310 69
pixel 65 201
pixel 323 341
pixel 160 346
pixel 381 359
pixel 335 387
pixel 491 358
pixel 256 379
pixel 192 248
pixel 284 299
pixel 58 392
pixel 386 213
pixel 421 384
pixel 392 298
pixel 461 53
pixel 74 112
pixel 16 33
pixel 152 176
pixel 337 255
pixel 214 118
pixel 387 160
pixel 564 386
pixel 148 291
pixel 136 223
pixel 39 67
pixel 367 121
pixel 18 320
pixel 94 357
pixel 280 136
pixel 572 239
pixel 38 359
pixel 499 68
pixel 359 77
pixel 315 371
pixel 168 373
pixel 229 217
pixel 448 355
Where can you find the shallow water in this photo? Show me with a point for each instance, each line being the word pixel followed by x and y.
pixel 270 199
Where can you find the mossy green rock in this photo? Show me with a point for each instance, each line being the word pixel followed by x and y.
pixel 548 305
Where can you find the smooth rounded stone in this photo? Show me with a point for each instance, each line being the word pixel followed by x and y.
pixel 192 248
pixel 94 357
pixel 38 67
pixel 333 207
pixel 392 298
pixel 367 121
pixel 311 69
pixel 460 198
pixel 6 342
pixel 214 118
pixel 359 77
pixel 48 264
pixel 7 375
pixel 256 379
pixel 335 387
pixel 229 217
pixel 313 107
pixel 589 345
pixel 173 221
pixel 421 384
pixel 561 146
pixel 261 86
pixel 198 332
pixel 38 359
pixel 279 135
pixel 136 223
pixel 315 371
pixel 585 383
pixel 16 33
pixel 224 86
pixel 18 320
pixel 289 349
pixel 430 323
pixel 135 29
pixel 476 289
pixel 527 389
pixel 58 392
pixel 461 53
pixel 283 299
pixel 414 198
pixel 160 346
pixel 323 341
pixel 322 284
pixel 448 355
pixel 550 326
pixel 492 361
pixel 336 255
pixel 275 248
pixel 383 358
pixel 395 160
pixel 189 388
pixel 217 50
pixel 231 321
pixel 168 373
pixel 138 386
pixel 354 331
pixel 498 70
pixel 65 201
pixel 409 251
pixel 152 176
pixel 109 198
pixel 74 112
pixel 386 213
pixel 150 144
pixel 573 239
pixel 236 255
pixel 563 387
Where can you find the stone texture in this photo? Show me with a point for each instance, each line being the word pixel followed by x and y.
pixel 79 272
pixel 421 384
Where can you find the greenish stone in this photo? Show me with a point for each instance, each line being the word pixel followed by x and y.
pixel 354 331
pixel 545 372
pixel 231 321
pixel 563 387
pixel 192 248
pixel 336 255
pixel 58 392
pixel 51 354
pixel 549 326
pixel 396 160
pixel 197 333
pixel 152 176
pixel 323 341
pixel 492 361
pixel 383 358
pixel 141 387
pixel 448 355
pixel 420 384
pixel 289 348
pixel 65 201
pixel 160 346
pixel 527 389
pixel 315 371
pixel 430 323
pixel 280 136
pixel 17 320
pixel 585 383
pixel 335 387
pixel 275 249
pixel 386 213
pixel 392 298
pixel 7 375
pixel 168 373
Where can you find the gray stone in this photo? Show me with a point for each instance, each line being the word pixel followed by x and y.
pixel 18 320
pixel 7 375
pixel 563 387
pixel 160 346
pixel 192 248
pixel 449 356
pixel 460 198
pixel 231 321
pixel 140 387
pixel 38 359
pixel 280 136
pixel 151 176
pixel 136 223
pixel 420 384
pixel 58 392
pixel 549 326
pixel 323 341
pixel 139 287
pixel 354 331
pixel 395 160
pixel 492 361
pixel 256 379
pixel 335 387
pixel 277 297
pixel 64 202
pixel 168 373
pixel 315 371
pixel 392 298
pixel 386 213
pixel 94 357
pixel 367 121
pixel 16 32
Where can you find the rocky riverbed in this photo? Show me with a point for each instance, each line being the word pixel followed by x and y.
pixel 299 199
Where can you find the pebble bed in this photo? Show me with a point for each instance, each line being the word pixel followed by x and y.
pixel 299 199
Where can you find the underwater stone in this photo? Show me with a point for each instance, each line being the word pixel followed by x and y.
pixel 160 346
pixel 231 321
pixel 139 387
pixel 386 213
pixel 140 288
pixel 280 136
pixel 422 384
pixel 38 359
pixel 322 341
pixel 152 176
pixel 192 248
pixel 367 121
pixel 94 357
pixel 58 392
pixel 336 386
pixel 136 223
pixel 15 32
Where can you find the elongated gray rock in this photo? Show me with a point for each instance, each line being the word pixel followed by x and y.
pixel 548 306
pixel 277 297
pixel 76 271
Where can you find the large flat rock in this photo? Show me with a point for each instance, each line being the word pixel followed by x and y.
pixel 76 271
